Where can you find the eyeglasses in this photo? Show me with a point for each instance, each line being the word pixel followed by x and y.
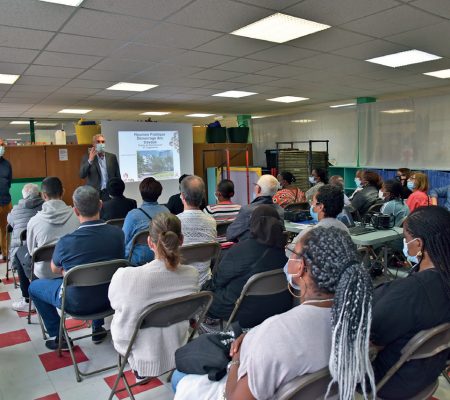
pixel 290 249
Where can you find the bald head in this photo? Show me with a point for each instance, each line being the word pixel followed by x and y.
pixel 193 190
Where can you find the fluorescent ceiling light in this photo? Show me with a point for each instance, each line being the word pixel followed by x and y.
pixel 131 87
pixel 288 99
pixel 280 28
pixel 73 111
pixel 19 123
pixel 45 124
pixel 8 79
pixel 404 58
pixel 258 116
pixel 343 105
pixel 235 94
pixel 155 113
pixel 72 3
pixel 443 73
pixel 22 133
pixel 303 121
pixel 397 111
pixel 199 115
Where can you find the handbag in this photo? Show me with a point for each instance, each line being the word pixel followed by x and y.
pixel 209 354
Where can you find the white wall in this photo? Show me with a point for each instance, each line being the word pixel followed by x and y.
pixel 110 131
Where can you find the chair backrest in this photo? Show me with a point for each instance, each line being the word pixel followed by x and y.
pixel 297 207
pixel 116 222
pixel 424 344
pixel 93 274
pixel 311 387
pixel 199 252
pixel 140 238
pixel 222 227
pixel 43 253
pixel 375 207
pixel 23 235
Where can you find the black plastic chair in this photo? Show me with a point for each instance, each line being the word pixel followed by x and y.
pixel 116 222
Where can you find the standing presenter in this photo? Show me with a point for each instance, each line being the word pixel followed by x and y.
pixel 5 197
pixel 98 166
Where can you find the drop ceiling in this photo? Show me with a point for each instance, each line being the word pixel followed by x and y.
pixel 67 56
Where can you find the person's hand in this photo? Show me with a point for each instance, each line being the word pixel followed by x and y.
pixel 236 345
pixel 434 201
pixel 92 154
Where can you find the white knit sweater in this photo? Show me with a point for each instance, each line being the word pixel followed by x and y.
pixel 134 288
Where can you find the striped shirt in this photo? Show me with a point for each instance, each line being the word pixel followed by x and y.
pixel 221 212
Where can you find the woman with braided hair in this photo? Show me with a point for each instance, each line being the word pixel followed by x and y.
pixel 133 289
pixel 407 306
pixel 329 328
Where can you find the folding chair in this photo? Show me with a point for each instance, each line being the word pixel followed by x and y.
pixel 310 386
pixel 200 252
pixel 222 227
pixel 23 237
pixel 9 267
pixel 116 222
pixel 162 315
pixel 140 238
pixel 41 254
pixel 424 344
pixel 87 275
pixel 262 284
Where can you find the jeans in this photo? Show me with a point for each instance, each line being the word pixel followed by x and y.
pixel 177 376
pixel 45 294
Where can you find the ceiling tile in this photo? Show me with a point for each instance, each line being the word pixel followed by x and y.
pixel 85 83
pixel 283 54
pixel 33 88
pixel 234 46
pixel 153 9
pixel 104 25
pixel 252 78
pixel 183 83
pixel 57 72
pixel 438 7
pixel 12 68
pixel 123 65
pixel 12 55
pixel 272 4
pixel 323 61
pixel 24 38
pixel 199 59
pixel 246 65
pixel 396 20
pixel 83 45
pixel 66 60
pixel 214 74
pixel 218 15
pixel 101 75
pixel 138 51
pixel 41 81
pixel 224 85
pixel 374 48
pixel 165 73
pixel 284 71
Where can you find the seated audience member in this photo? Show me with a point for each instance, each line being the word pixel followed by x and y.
pixel 54 220
pixel 262 251
pixel 402 176
pixel 119 205
pixel 394 204
pixel 264 190
pixel 443 192
pixel 368 195
pixel 196 226
pixel 358 183
pixel 318 178
pixel 134 289
pixel 337 180
pixel 334 288
pixel 93 241
pixel 225 210
pixel 138 219
pixel 404 307
pixel 418 184
pixel 288 194
pixel 175 205
pixel 20 214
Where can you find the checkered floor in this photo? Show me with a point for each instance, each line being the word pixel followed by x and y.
pixel 28 371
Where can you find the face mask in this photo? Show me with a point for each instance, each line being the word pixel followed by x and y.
pixel 2 150
pixel 25 195
pixel 312 180
pixel 289 277
pixel 381 194
pixel 314 215
pixel 412 259
pixel 358 182
pixel 410 185
pixel 100 147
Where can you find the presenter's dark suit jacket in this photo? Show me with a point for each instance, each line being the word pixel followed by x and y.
pixel 91 172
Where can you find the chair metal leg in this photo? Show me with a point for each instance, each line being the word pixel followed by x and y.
pixel 29 310
pixel 72 355
pixel 41 324
pixel 121 364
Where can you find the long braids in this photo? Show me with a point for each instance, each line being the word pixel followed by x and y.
pixel 335 267
pixel 432 226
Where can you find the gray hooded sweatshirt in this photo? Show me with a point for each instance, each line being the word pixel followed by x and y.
pixel 55 220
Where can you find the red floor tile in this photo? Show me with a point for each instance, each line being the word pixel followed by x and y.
pixel 53 396
pixel 52 361
pixel 14 337
pixel 23 314
pixel 4 296
pixel 9 281
pixel 131 380
pixel 75 324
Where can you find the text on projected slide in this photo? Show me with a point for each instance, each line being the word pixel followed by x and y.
pixel 149 153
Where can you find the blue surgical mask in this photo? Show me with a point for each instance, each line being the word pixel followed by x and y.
pixel 358 182
pixel 412 259
pixel 312 180
pixel 2 150
pixel 314 215
pixel 100 147
pixel 410 185
pixel 289 277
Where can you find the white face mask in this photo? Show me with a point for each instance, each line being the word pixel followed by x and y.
pixel 100 147
pixel 312 180
pixel 381 194
pixel 2 150
pixel 412 259
pixel 289 277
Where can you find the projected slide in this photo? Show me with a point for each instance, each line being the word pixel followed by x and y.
pixel 149 153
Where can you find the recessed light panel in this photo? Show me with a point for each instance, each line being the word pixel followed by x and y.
pixel 280 28
pixel 155 113
pixel 72 3
pixel 131 87
pixel 443 73
pixel 199 115
pixel 397 111
pixel 8 79
pixel 235 94
pixel 303 121
pixel 288 99
pixel 343 105
pixel 19 123
pixel 258 116
pixel 404 58
pixel 46 124
pixel 73 111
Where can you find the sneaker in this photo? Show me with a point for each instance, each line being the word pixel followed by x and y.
pixel 99 335
pixel 52 344
pixel 22 305
pixel 140 380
